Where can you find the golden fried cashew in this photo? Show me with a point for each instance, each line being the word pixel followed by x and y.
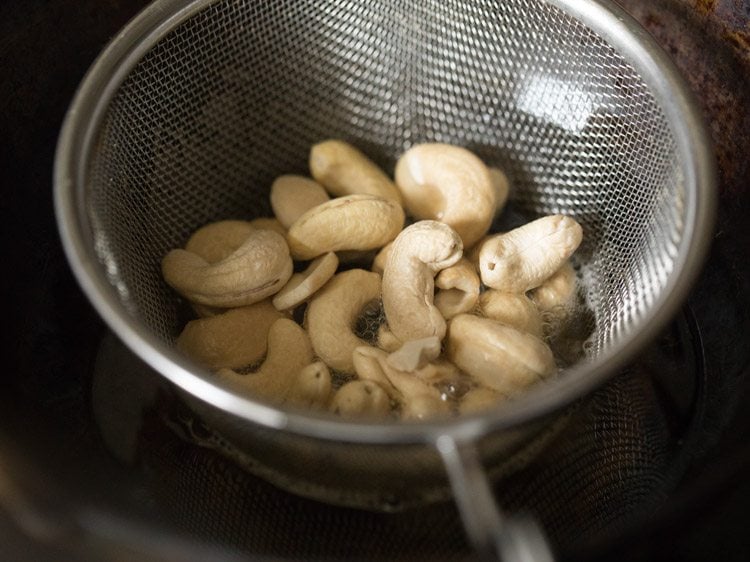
pixel 523 258
pixel 558 293
pixel 418 398
pixel 353 222
pixel 257 269
pixel 301 286
pixel 501 185
pixel 360 398
pixel 233 339
pixel 292 196
pixel 378 263
pixel 459 289
pixel 450 184
pixel 344 170
pixel 417 254
pixel 311 388
pixel 498 356
pixel 268 223
pixel 289 351
pixel 333 312
pixel 512 309
pixel 478 399
pixel 217 240
pixel 415 354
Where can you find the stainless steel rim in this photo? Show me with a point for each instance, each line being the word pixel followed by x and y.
pixel 606 18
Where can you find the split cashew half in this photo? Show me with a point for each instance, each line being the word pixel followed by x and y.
pixel 292 196
pixel 233 339
pixel 354 222
pixel 459 289
pixel 333 312
pixel 512 309
pixel 417 254
pixel 260 267
pixel 302 286
pixel 523 258
pixel 289 352
pixel 498 356
pixel 344 170
pixel 450 184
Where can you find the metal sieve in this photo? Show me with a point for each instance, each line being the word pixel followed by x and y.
pixel 196 106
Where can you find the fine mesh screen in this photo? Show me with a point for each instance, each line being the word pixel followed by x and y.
pixel 235 96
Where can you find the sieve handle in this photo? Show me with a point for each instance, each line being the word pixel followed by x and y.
pixel 493 535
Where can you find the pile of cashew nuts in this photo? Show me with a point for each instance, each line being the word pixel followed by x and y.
pixel 459 319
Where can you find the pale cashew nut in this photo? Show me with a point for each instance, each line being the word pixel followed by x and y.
pixel 418 399
pixel 333 312
pixel 292 196
pixel 268 223
pixel 234 339
pixel 415 354
pixel 478 399
pixel 501 185
pixel 558 293
pixel 450 184
pixel 386 339
pixel 378 263
pixel 217 240
pixel 344 170
pixel 354 222
pixel 360 398
pixel 497 356
pixel 512 309
pixel 301 286
pixel 311 388
pixel 257 269
pixel 523 258
pixel 418 253
pixel 289 352
pixel 459 289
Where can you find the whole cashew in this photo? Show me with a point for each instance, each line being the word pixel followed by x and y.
pixel 292 196
pixel 257 269
pixel 512 309
pixel 497 356
pixel 217 240
pixel 333 313
pixel 501 185
pixel 344 170
pixel 378 263
pixel 354 222
pixel 360 398
pixel 459 289
pixel 558 293
pixel 302 286
pixel 386 339
pixel 450 184
pixel 311 388
pixel 268 223
pixel 233 339
pixel 289 351
pixel 523 258
pixel 417 254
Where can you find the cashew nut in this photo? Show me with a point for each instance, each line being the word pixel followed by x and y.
pixel 386 339
pixel 523 258
pixel 260 267
pixel 311 388
pixel 417 254
pixel 268 223
pixel 497 356
pixel 289 351
pixel 415 354
pixel 333 312
pixel 501 185
pixel 479 398
pixel 292 196
pixel 459 289
pixel 558 293
pixel 418 399
pixel 234 339
pixel 450 184
pixel 301 286
pixel 344 170
pixel 354 222
pixel 378 264
pixel 512 309
pixel 217 240
pixel 360 398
